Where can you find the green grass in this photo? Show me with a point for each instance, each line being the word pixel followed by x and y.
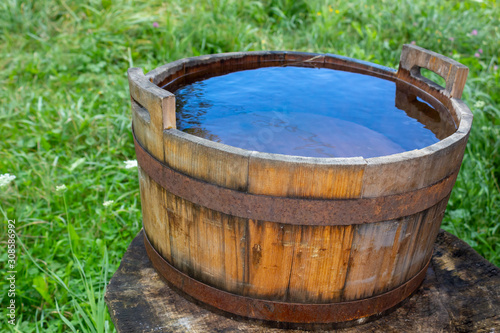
pixel 65 119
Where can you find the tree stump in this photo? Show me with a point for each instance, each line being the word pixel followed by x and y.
pixel 460 293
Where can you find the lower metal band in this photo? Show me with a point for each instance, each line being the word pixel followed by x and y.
pixel 282 311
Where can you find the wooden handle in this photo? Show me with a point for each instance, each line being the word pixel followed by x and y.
pixel 152 103
pixel 153 110
pixel 454 73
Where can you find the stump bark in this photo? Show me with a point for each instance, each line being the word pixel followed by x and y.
pixel 460 293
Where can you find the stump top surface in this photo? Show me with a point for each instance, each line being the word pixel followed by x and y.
pixel 461 293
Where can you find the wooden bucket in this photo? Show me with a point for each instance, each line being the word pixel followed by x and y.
pixel 285 238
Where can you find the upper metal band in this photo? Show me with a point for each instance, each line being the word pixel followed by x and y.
pixel 297 211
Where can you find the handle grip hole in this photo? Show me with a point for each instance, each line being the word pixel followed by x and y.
pixel 141 111
pixel 431 78
pixel 428 74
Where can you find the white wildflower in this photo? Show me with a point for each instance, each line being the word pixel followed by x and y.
pixel 61 188
pixel 130 164
pixel 479 104
pixel 108 203
pixel 5 179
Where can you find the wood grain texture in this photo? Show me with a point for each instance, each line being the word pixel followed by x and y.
pixel 429 228
pixel 319 264
pixel 278 261
pixel 460 293
pixel 414 169
pixel 141 124
pixel 294 176
pixel 271 247
pixel 212 162
pixel 155 219
pixel 406 240
pixel 374 247
pixel 293 263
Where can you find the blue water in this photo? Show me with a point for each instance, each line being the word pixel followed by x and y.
pixel 301 111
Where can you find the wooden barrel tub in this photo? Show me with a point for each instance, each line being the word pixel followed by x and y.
pixel 285 238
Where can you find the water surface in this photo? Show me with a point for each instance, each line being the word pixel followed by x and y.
pixel 307 112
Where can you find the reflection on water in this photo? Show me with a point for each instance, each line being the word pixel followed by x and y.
pixel 309 112
pixel 439 123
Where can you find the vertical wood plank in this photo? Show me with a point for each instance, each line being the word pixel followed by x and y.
pixel 270 253
pixel 387 264
pixel 437 217
pixel 293 176
pixel 181 226
pixel 372 244
pixel 154 218
pixel 205 244
pixel 235 253
pixel 408 238
pixel 424 232
pixel 206 160
pixel 141 121
pixel 429 228
pixel 207 248
pixel 320 264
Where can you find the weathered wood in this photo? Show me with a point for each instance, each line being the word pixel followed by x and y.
pixel 155 219
pixel 270 253
pixel 325 251
pixel 385 255
pixel 460 294
pixel 153 109
pixel 374 249
pixel 413 170
pixel 204 243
